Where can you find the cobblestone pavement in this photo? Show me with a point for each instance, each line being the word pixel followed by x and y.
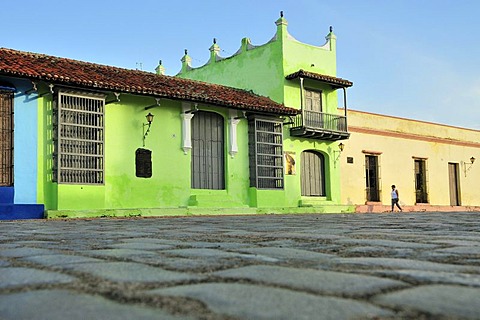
pixel 364 266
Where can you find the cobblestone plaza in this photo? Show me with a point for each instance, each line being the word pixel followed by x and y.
pixel 338 266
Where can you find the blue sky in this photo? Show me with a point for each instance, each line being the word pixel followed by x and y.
pixel 417 59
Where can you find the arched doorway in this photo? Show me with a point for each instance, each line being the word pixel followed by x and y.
pixel 312 175
pixel 208 159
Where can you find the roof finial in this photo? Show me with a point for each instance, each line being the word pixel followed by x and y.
pixel 186 51
pixel 331 29
pixel 214 40
pixel 160 69
pixel 281 14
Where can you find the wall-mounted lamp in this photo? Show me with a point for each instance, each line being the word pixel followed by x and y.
pixel 149 117
pixel 467 166
pixel 337 154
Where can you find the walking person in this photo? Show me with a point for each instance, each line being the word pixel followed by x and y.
pixel 395 198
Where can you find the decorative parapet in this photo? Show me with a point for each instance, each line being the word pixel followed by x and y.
pixel 214 52
pixel 186 62
pixel 160 69
pixel 246 45
pixel 331 40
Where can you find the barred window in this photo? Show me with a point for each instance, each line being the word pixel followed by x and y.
pixel 79 149
pixel 6 138
pixel 266 153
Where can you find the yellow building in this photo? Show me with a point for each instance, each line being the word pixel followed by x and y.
pixel 432 165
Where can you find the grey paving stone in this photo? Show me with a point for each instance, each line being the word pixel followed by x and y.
pixel 197 265
pixel 15 276
pixel 316 234
pixel 219 245
pixel 388 243
pixel 62 304
pixel 456 242
pixel 131 272
pixel 120 253
pixel 288 253
pixel 140 246
pixel 432 277
pixel 8 246
pixel 460 250
pixel 202 253
pixel 438 300
pixel 24 252
pixel 324 282
pixel 36 243
pixel 4 263
pixel 256 302
pixel 394 263
pixel 59 260
pixel 381 251
pixel 163 241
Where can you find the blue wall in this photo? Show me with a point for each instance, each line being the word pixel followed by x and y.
pixel 25 144
pixel 20 201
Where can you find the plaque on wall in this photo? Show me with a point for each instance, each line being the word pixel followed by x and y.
pixel 143 163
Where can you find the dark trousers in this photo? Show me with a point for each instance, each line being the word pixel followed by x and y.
pixel 395 202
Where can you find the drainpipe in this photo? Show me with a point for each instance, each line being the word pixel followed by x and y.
pixel 345 106
pixel 301 99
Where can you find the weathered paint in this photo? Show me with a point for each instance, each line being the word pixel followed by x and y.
pixel 398 142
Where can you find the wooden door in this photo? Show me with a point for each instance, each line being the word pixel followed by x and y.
pixel 371 175
pixel 6 138
pixel 454 184
pixel 312 174
pixel 420 181
pixel 208 160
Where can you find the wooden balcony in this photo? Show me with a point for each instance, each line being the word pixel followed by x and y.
pixel 319 125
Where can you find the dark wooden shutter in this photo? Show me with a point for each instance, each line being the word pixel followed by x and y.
pixel 208 159
pixel 312 174
pixel 372 181
pixel 6 138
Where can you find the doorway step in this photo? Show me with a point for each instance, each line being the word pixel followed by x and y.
pixel 214 199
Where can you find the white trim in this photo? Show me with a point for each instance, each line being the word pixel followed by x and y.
pixel 186 127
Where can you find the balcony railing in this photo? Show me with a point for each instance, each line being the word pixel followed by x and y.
pixel 320 125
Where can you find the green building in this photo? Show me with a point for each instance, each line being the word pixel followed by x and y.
pixel 301 76
pixel 89 140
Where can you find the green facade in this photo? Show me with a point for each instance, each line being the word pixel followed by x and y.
pixel 169 190
pixel 262 69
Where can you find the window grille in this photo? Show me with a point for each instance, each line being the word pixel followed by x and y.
pixel 6 138
pixel 266 153
pixel 79 152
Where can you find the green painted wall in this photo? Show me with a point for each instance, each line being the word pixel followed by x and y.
pixel 258 67
pixel 262 69
pixel 169 186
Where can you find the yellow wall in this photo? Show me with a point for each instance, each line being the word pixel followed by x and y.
pixel 398 141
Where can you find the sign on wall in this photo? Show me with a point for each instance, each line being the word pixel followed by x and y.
pixel 290 168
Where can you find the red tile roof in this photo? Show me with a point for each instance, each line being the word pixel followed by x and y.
pixel 101 77
pixel 333 81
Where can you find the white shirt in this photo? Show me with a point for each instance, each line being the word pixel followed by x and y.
pixel 394 194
